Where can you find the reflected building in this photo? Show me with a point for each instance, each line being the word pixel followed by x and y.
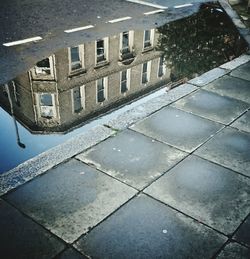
pixel 80 82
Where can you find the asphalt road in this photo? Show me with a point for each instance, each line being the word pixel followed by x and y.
pixel 49 19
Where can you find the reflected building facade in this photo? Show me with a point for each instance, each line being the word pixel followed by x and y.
pixel 79 82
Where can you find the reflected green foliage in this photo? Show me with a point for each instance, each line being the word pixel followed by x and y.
pixel 200 42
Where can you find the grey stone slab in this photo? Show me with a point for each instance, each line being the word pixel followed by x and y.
pixel 46 160
pixel 178 128
pixel 70 253
pixel 70 199
pixel 234 250
pixel 145 228
pixel 230 148
pixel 243 123
pixel 208 76
pixel 20 237
pixel 212 106
pixel 210 193
pixel 232 87
pixel 243 233
pixel 133 158
pixel 242 72
pixel 150 105
pixel 236 62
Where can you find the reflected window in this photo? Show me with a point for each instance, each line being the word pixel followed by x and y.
pixel 125 80
pixel 101 50
pixel 43 67
pixel 145 72
pixel 47 105
pixel 76 54
pixel 125 42
pixel 148 38
pixel 161 69
pixel 16 93
pixel 78 95
pixel 101 89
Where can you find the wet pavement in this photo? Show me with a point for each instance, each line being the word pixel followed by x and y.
pixel 168 176
pixel 173 184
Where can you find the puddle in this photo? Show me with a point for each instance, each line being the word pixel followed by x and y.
pixel 50 102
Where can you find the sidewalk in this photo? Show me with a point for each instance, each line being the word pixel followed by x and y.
pixel 168 178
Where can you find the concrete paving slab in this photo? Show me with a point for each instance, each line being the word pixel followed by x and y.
pixel 234 250
pixel 243 123
pixel 20 237
pixel 208 77
pixel 70 199
pixel 133 158
pixel 212 106
pixel 232 87
pixel 242 72
pixel 243 233
pixel 230 148
pixel 70 253
pixel 149 106
pixel 178 128
pixel 145 228
pixel 210 193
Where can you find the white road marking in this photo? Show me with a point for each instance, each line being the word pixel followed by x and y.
pixel 147 4
pixel 79 28
pixel 19 42
pixel 120 19
pixel 184 5
pixel 153 12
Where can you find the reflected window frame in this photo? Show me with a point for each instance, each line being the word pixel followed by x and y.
pixel 46 72
pixel 81 97
pixel 79 62
pixel 148 39
pixel 145 72
pixel 43 108
pixel 161 67
pixel 125 81
pixel 101 90
pixel 101 52
pixel 130 42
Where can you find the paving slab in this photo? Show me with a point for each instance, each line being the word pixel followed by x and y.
pixel 236 62
pixel 212 106
pixel 178 128
pixel 20 237
pixel 230 148
pixel 70 199
pixel 243 233
pixel 208 77
pixel 70 253
pixel 145 228
pixel 232 87
pixel 243 123
pixel 242 72
pixel 210 193
pixel 133 158
pixel 234 250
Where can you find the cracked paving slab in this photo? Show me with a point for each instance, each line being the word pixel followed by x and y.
pixel 230 148
pixel 20 237
pixel 205 191
pixel 70 199
pixel 146 228
pixel 212 106
pixel 242 234
pixel 133 158
pixel 178 128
